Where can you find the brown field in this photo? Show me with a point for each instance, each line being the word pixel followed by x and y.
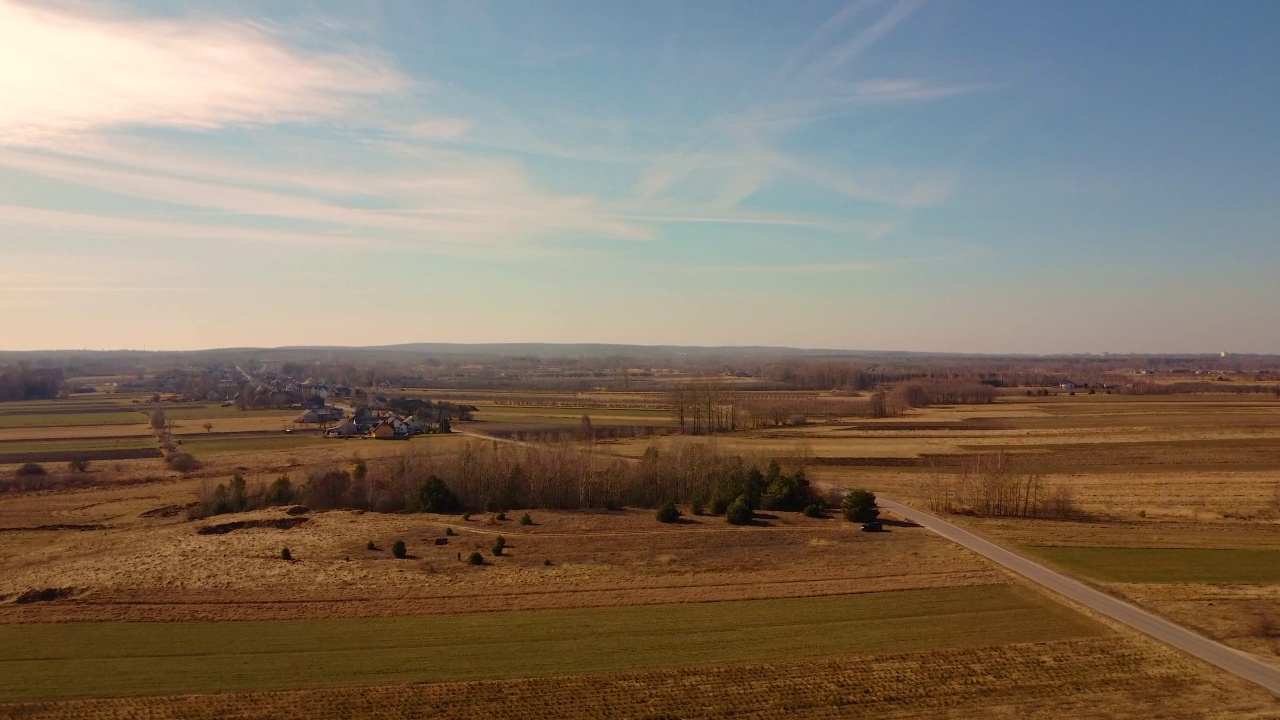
pixel 132 567
pixel 1200 472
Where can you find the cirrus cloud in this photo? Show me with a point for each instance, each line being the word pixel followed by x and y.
pixel 64 74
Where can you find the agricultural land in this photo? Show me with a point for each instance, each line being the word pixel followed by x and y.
pixel 172 553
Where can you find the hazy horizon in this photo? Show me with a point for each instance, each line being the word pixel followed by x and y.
pixel 816 351
pixel 879 175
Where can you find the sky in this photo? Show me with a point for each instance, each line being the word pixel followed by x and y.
pixel 949 175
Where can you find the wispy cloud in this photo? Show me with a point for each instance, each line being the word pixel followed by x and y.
pixel 739 152
pixel 437 201
pixel 843 53
pixel 824 268
pixel 440 128
pixel 64 74
pixel 845 99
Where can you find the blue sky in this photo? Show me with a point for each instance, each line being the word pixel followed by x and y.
pixel 949 176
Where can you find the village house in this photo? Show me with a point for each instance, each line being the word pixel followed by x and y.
pixel 392 428
pixel 316 416
pixel 346 429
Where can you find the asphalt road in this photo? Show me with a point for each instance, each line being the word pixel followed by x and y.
pixel 1233 661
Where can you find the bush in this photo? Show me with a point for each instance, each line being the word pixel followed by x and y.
pixel 667 512
pixel 286 555
pixel 329 490
pixel 399 550
pixel 78 465
pixel 449 532
pixel 436 497
pixel 739 511
pixel 787 492
pixel 372 546
pixel 612 505
pixel 814 511
pixel 859 506
pixel 466 516
pixel 500 516
pixel 525 519
pixel 475 558
pixel 695 506
pixel 182 462
pixel 719 505
pixel 280 492
pixel 499 545
pixel 30 470
pixel 239 499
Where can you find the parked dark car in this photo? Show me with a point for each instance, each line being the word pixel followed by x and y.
pixel 873 526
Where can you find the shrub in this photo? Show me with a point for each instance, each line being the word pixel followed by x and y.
pixel 525 519
pixel 328 490
pixel 280 492
pixel 739 511
pixel 500 516
pixel 859 506
pixel 667 512
pixel 612 505
pixel 372 546
pixel 449 531
pixel 30 470
pixel 182 462
pixel 286 555
pixel 475 558
pixel 814 510
pixel 787 492
pixel 78 465
pixel 434 496
pixel 547 562
pixel 719 505
pixel 499 545
pixel 466 516
pixel 695 506
pixel 239 497
pixel 399 550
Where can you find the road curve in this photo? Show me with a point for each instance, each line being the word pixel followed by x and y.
pixel 1233 661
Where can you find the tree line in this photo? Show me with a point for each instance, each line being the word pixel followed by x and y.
pixel 22 382
pixel 998 486
pixel 501 477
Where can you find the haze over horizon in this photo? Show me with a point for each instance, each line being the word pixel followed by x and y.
pixel 875 175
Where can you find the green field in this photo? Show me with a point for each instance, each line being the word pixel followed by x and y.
pixel 199 444
pixel 73 419
pixel 115 659
pixel 213 412
pixel 20 448
pixel 570 416
pixel 1166 565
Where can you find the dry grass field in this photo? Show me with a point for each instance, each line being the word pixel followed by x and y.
pixel 1107 677
pixel 123 564
pixel 1177 496
pixel 49 661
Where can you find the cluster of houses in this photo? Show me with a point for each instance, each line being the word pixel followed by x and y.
pixel 382 425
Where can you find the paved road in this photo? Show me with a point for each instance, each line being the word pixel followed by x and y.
pixel 1233 661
